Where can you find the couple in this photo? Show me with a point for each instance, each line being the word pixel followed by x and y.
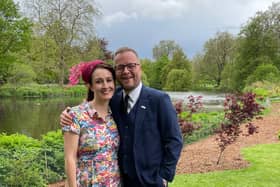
pixel 142 150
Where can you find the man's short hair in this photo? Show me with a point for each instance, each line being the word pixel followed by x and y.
pixel 125 49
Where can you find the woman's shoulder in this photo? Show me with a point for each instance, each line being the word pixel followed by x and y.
pixel 81 108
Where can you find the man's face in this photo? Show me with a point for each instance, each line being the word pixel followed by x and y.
pixel 128 70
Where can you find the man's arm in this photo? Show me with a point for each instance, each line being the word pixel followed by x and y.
pixel 65 118
pixel 171 138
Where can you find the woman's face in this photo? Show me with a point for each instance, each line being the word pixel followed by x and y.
pixel 103 84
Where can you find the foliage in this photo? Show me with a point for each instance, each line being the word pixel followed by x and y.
pixel 185 118
pixel 264 89
pixel 19 161
pixel 52 152
pixel 165 48
pixel 36 90
pixel 14 35
pixel 66 23
pixel 228 77
pixel 218 52
pixel 264 72
pixel 279 135
pixel 21 74
pixel 29 162
pixel 145 79
pixel 179 61
pixel 237 110
pixel 263 171
pixel 154 71
pixel 178 80
pixel 258 43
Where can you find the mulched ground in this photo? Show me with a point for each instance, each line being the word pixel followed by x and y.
pixel 201 156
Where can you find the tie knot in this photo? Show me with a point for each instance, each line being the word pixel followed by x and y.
pixel 126 98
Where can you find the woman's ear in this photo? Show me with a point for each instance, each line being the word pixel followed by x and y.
pixel 87 85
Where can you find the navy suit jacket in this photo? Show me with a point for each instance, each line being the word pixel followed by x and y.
pixel 157 136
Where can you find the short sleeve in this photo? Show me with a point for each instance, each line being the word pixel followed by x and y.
pixel 74 127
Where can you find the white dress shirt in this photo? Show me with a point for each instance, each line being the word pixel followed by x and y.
pixel 133 96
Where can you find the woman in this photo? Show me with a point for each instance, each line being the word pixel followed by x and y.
pixel 91 142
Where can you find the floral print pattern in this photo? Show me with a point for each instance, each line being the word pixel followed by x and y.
pixel 97 164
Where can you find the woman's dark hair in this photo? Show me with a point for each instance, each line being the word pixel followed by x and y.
pixel 109 67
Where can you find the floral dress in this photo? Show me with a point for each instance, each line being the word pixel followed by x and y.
pixel 97 163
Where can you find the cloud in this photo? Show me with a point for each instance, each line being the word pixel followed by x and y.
pixel 118 17
pixel 160 9
pixel 144 23
pixel 142 9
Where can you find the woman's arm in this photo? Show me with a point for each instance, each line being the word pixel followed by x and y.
pixel 71 142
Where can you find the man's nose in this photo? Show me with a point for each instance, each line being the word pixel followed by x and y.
pixel 125 69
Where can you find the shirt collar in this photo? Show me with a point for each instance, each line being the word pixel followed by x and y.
pixel 135 93
pixel 92 111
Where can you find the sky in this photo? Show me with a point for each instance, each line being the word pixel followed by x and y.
pixel 142 24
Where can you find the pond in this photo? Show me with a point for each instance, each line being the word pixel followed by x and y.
pixel 34 117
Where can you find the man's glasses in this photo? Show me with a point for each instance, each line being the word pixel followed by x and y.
pixel 129 66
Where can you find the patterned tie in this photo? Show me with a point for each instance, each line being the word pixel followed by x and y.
pixel 126 103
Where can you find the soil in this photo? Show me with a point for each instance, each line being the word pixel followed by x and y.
pixel 201 156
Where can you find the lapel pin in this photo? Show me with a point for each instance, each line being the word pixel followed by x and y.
pixel 143 107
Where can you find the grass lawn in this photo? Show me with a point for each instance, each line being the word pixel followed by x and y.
pixel 264 171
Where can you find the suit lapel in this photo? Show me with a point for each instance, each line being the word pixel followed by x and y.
pixel 118 108
pixel 142 107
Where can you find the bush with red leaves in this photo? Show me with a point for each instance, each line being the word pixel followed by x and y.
pixel 238 109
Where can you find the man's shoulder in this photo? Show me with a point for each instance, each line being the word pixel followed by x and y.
pixel 154 92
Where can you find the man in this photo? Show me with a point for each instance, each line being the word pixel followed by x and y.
pixel 151 140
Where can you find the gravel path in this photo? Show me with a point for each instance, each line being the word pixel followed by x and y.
pixel 201 156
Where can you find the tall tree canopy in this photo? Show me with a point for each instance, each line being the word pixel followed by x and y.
pixel 259 43
pixel 15 32
pixel 218 51
pixel 165 48
pixel 66 22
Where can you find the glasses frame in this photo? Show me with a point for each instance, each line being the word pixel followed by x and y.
pixel 129 66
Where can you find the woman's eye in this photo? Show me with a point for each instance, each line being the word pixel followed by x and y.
pixel 98 81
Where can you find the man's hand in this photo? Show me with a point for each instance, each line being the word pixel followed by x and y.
pixel 65 118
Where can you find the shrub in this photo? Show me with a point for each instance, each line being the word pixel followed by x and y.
pixel 238 109
pixel 264 72
pixel 29 162
pixel 19 165
pixel 37 90
pixel 53 156
pixel 178 80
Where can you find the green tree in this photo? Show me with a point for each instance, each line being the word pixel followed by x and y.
pixel 179 61
pixel 165 48
pixel 259 43
pixel 199 79
pixel 218 51
pixel 15 33
pixel 21 74
pixel 42 56
pixel 67 23
pixel 178 80
pixel 157 69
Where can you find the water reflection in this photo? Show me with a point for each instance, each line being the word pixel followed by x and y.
pixel 211 101
pixel 35 117
pixel 32 117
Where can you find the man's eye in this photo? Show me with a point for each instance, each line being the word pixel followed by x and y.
pixel 130 65
pixel 120 67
